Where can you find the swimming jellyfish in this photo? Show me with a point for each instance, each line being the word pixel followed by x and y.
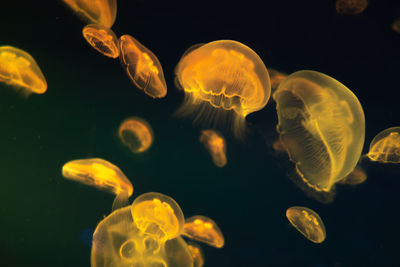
pixel 351 7
pixel 357 176
pixel 396 25
pixel 118 242
pixel 197 254
pixel 142 67
pixel 307 222
pixel 216 145
pixel 205 230
pixel 19 69
pixel 223 81
pixel 101 174
pixel 385 147
pixel 102 39
pixel 276 78
pixel 136 134
pixel 322 127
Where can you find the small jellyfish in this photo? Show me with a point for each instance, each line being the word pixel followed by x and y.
pixel 223 82
pixel 136 134
pixel 307 222
pixel 322 127
pixel 101 12
pixel 158 215
pixel 197 254
pixel 205 230
pixel 19 69
pixel 101 174
pixel 276 78
pixel 357 176
pixel 142 67
pixel 385 147
pixel 102 39
pixel 351 7
pixel 216 146
pixel 396 25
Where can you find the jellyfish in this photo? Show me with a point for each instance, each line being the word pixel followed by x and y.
pixel 197 254
pixel 101 12
pixel 205 230
pixel 102 39
pixel 136 134
pixel 118 242
pixel 385 147
pixel 307 222
pixel 19 69
pixel 351 7
pixel 396 25
pixel 322 127
pixel 278 146
pixel 276 78
pixel 223 82
pixel 357 176
pixel 216 146
pixel 142 67
pixel 102 175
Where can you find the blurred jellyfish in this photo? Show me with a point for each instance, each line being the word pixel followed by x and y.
pixel 19 69
pixel 357 176
pixel 102 39
pixel 351 7
pixel 307 222
pixel 205 230
pixel 136 134
pixel 216 146
pixel 396 25
pixel 277 146
pixel 101 174
pixel 142 67
pixel 197 254
pixel 322 127
pixel 276 78
pixel 223 81
pixel 385 147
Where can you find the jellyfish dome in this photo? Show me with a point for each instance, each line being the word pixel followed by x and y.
pixel 385 147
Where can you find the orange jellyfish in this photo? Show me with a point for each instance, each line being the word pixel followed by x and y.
pixel 307 222
pixel 197 254
pixel 118 242
pixel 101 12
pixel 216 146
pixel 322 127
pixel 101 174
pixel 357 176
pixel 136 134
pixel 276 78
pixel 205 230
pixel 142 67
pixel 102 39
pixel 19 69
pixel 351 7
pixel 223 81
pixel 385 147
pixel 278 146
pixel 396 25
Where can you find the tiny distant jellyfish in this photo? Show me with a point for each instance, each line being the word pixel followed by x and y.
pixel 276 78
pixel 142 66
pixel 118 242
pixel 102 39
pixel 19 69
pixel 101 12
pixel 102 175
pixel 396 25
pixel 357 176
pixel 197 254
pixel 203 229
pixel 351 7
pixel 216 145
pixel 385 147
pixel 307 222
pixel 136 134
pixel 223 82
pixel 322 127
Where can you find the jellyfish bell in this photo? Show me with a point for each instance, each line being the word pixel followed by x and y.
pixel 203 229
pixel 385 147
pixel 136 134
pixel 102 39
pixel 351 7
pixel 276 78
pixel 215 143
pixel 396 25
pixel 356 177
pixel 197 254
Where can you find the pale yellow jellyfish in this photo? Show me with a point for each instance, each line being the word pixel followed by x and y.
pixel 322 127
pixel 216 146
pixel 223 81
pixel 19 69
pixel 197 254
pixel 357 176
pixel 205 230
pixel 396 25
pixel 307 222
pixel 385 147
pixel 351 7
pixel 117 242
pixel 136 134
pixel 142 67
pixel 102 39
pixel 101 12
pixel 102 175
pixel 276 78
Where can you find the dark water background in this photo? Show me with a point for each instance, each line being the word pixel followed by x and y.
pixel 47 221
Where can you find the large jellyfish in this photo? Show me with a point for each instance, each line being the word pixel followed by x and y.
pixel 136 134
pixel 203 229
pixel 102 39
pixel 385 147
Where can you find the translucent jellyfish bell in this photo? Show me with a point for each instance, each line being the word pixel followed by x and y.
pixel 136 134
pixel 396 25
pixel 203 229
pixel 385 147
pixel 216 146
pixel 197 254
pixel 351 7
pixel 357 176
pixel 102 39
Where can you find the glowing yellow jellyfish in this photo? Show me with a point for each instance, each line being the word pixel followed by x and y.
pixel 357 176
pixel 101 12
pixel 101 174
pixel 321 125
pixel 396 25
pixel 142 67
pixel 216 145
pixel 385 147
pixel 222 78
pixel 158 216
pixel 136 134
pixel 118 242
pixel 205 230
pixel 307 222
pixel 19 69
pixel 351 7
pixel 276 78
pixel 102 39
pixel 197 254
